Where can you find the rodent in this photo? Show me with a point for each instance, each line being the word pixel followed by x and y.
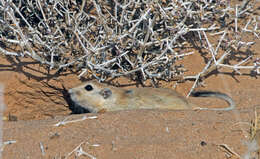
pixel 95 97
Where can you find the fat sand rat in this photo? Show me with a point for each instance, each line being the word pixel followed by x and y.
pixel 95 97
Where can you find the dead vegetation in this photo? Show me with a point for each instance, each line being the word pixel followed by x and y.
pixel 142 40
pixel 253 145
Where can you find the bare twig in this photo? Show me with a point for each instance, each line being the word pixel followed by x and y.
pixel 64 122
pixel 79 151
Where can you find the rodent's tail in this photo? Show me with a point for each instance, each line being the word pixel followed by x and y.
pixel 223 96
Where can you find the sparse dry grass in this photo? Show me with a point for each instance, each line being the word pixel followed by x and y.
pixel 253 147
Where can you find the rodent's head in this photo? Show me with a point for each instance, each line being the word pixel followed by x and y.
pixel 91 95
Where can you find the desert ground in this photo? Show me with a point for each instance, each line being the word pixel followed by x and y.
pixel 35 102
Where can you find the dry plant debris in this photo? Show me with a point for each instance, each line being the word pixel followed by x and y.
pixel 228 150
pixel 253 145
pixel 64 122
pixel 134 38
pixel 79 151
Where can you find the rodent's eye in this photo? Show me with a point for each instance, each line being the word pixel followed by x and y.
pixel 88 87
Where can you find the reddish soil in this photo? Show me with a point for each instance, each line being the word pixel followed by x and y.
pixel 35 99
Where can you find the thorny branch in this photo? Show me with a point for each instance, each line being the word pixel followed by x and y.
pixel 134 38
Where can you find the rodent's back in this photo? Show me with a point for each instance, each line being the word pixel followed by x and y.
pixel 152 98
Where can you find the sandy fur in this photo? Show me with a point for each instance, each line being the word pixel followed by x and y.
pixel 126 99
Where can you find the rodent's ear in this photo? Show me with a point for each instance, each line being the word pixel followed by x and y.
pixel 106 93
